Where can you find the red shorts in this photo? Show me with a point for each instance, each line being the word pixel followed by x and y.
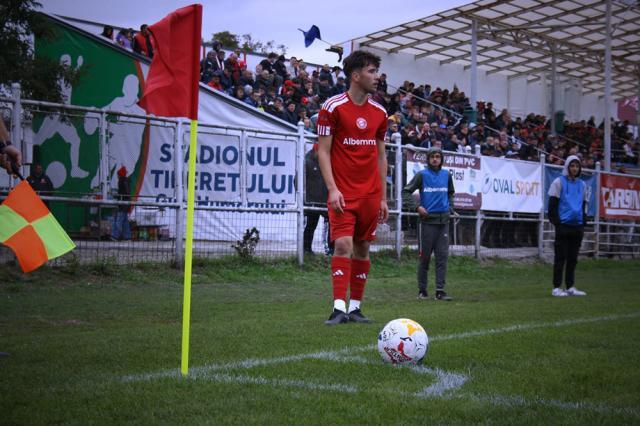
pixel 359 219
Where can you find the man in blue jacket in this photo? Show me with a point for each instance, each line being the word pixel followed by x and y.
pixel 567 206
pixel 436 201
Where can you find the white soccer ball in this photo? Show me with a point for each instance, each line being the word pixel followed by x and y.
pixel 403 341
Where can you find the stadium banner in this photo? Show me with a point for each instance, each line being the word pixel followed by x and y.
pixel 511 185
pixel 465 170
pixel 551 173
pixel 68 147
pixel 619 197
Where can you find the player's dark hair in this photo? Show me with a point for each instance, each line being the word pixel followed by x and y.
pixel 359 59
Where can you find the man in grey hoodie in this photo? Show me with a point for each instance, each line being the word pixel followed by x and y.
pixel 567 205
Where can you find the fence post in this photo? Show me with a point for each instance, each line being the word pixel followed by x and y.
pixel 541 214
pixel 179 194
pixel 397 139
pixel 300 179
pixel 478 233
pixel 596 219
pixel 104 156
pixel 16 116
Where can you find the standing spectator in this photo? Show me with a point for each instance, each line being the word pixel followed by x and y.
pixel 269 66
pixel 316 195
pixel 233 64
pixel 567 206
pixel 142 42
pixel 436 201
pixel 355 174
pixel 40 182
pixel 121 230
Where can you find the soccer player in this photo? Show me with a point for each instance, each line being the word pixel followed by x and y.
pixel 436 201
pixel 351 129
pixel 567 206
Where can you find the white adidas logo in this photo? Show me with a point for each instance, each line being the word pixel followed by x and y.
pixel 338 273
pixel 362 276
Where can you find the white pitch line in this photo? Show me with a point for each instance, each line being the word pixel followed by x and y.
pixel 339 355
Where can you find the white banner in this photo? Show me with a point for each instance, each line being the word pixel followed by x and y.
pixel 511 185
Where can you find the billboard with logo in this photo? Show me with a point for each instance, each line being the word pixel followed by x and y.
pixel 619 197
pixel 511 185
pixel 465 171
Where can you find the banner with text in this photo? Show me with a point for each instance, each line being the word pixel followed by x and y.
pixel 465 170
pixel 619 197
pixel 511 185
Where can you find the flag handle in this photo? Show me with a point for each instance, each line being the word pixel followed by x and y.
pixel 188 249
pixel 15 170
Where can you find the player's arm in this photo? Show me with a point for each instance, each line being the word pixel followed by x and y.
pixel 382 170
pixel 335 200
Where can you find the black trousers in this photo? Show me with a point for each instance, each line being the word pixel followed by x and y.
pixel 566 247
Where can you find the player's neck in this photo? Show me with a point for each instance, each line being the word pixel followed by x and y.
pixel 357 95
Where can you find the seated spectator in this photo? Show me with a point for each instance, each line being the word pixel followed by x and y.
pixel 107 32
pixel 123 39
pixel 291 113
pixel 226 81
pixel 630 156
pixel 247 78
pixel 239 93
pixel 215 81
pixel 276 108
pixel 234 66
pixel 325 90
pixel 341 86
pixel 254 100
pixel 268 65
pixel 207 66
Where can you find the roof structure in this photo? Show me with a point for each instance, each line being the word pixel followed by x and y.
pixel 519 38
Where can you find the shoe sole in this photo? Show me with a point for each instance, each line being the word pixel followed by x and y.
pixel 360 321
pixel 333 322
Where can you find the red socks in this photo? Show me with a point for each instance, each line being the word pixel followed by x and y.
pixel 359 274
pixel 340 274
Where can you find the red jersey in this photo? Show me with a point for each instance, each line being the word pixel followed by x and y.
pixel 354 152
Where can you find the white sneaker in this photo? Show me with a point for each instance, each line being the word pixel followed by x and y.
pixel 572 291
pixel 558 292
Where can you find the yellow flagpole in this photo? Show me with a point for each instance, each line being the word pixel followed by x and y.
pixel 188 249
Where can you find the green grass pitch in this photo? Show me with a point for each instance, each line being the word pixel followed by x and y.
pixel 100 344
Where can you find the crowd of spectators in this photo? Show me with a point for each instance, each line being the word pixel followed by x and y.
pixel 419 115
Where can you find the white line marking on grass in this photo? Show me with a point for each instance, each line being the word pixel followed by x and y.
pixel 446 382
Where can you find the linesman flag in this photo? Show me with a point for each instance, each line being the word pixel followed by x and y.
pixel 30 230
pixel 171 89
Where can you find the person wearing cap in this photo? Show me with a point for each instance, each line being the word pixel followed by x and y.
pixel 121 229
pixel 436 191
pixel 567 212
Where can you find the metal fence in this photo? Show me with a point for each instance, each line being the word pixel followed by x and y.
pixel 157 218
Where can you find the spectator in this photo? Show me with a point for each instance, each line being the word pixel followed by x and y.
pixel 567 206
pixel 235 68
pixel 215 81
pixel 142 42
pixel 121 229
pixel 436 190
pixel 291 114
pixel 40 182
pixel 123 39
pixel 208 66
pixel 107 32
pixel 316 195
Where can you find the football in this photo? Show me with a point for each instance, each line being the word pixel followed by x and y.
pixel 403 341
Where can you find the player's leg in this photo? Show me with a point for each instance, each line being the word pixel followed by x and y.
pixel 342 227
pixel 364 233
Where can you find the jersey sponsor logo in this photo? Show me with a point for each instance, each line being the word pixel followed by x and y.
pixel 431 189
pixel 352 141
pixel 361 123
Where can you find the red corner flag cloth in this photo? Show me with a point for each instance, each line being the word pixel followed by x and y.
pixel 172 83
pixel 30 230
